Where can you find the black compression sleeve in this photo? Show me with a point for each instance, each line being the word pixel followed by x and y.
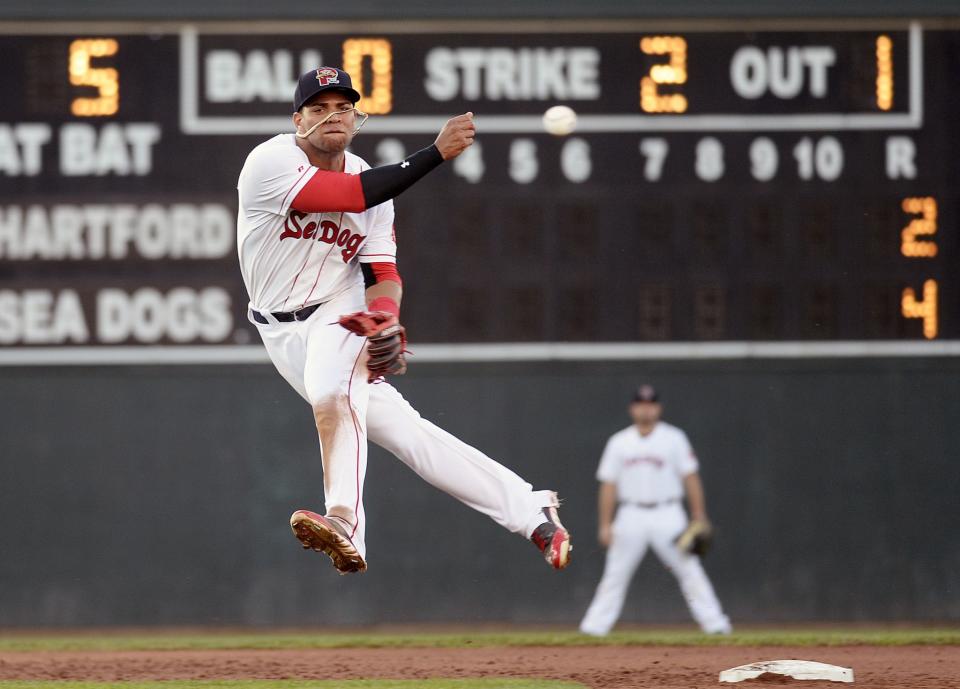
pixel 388 181
pixel 369 279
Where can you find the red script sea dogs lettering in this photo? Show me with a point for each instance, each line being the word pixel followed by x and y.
pixel 327 232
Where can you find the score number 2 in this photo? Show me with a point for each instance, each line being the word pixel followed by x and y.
pixel 674 72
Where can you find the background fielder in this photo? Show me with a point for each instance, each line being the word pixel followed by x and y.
pixel 644 473
pixel 317 253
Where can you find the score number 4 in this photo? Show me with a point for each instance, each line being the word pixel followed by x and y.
pixel 911 247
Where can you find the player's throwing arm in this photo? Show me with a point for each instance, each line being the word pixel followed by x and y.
pixel 329 191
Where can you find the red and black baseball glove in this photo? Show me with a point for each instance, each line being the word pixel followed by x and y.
pixel 387 341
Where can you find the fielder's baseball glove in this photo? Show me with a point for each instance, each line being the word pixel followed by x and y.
pixel 696 538
pixel 386 344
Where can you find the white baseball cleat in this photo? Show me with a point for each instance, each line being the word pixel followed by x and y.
pixel 326 535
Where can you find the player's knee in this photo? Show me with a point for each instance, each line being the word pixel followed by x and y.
pixel 329 409
pixel 327 394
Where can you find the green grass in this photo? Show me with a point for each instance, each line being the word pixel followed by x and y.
pixel 305 684
pixel 159 641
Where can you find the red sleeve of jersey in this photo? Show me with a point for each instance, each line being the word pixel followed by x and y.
pixel 386 271
pixel 330 192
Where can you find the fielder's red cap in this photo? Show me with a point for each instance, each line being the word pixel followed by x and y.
pixel 646 393
pixel 323 79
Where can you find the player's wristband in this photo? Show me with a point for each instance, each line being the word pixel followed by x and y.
pixel 387 181
pixel 384 304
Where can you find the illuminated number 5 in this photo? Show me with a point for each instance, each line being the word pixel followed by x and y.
pixel 378 98
pixel 674 72
pixel 105 79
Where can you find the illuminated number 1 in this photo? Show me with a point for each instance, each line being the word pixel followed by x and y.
pixel 884 72
pixel 378 98
pixel 105 79
pixel 674 72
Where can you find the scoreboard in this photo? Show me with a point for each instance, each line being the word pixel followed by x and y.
pixel 794 181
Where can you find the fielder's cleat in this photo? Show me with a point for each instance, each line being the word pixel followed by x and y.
pixel 553 539
pixel 326 535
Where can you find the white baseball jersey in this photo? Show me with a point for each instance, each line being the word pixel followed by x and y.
pixel 290 259
pixel 647 469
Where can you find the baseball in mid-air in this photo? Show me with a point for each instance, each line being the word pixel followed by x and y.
pixel 560 120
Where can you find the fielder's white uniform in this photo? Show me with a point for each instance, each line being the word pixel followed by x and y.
pixel 289 260
pixel 648 472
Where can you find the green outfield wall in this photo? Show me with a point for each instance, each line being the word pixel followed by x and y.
pixel 160 496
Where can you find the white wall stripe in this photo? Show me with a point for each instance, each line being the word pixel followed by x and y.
pixel 493 352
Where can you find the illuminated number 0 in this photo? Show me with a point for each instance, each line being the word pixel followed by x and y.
pixel 378 99
pixel 105 79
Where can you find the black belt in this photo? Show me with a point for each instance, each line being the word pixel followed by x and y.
pixel 287 316
pixel 650 505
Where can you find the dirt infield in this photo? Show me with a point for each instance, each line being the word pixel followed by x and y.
pixel 667 667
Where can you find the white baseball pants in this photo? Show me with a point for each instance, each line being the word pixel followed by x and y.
pixel 634 529
pixel 326 364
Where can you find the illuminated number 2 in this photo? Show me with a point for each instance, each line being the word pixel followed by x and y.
pixel 674 72
pixel 105 79
pixel 378 98
pixel 910 246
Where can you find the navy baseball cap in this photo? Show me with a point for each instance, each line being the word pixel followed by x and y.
pixel 646 393
pixel 323 79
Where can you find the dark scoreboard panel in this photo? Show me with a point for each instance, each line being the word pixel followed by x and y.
pixel 797 183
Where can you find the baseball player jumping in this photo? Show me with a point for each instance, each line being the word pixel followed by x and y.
pixel 644 473
pixel 318 257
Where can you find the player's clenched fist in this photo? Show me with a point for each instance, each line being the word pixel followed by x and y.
pixel 456 136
